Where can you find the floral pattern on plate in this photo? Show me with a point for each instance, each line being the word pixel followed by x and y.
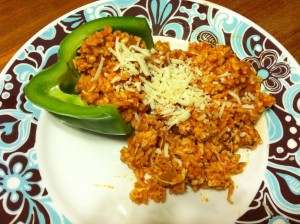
pixel 23 196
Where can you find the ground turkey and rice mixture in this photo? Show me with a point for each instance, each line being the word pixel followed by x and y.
pixel 191 110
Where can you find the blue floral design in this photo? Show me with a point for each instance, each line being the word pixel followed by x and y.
pixel 270 69
pixel 193 13
pixel 20 122
pixel 22 194
pixel 20 187
pixel 72 22
pixel 38 57
pixel 160 12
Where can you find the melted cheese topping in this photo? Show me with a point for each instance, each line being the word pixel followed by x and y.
pixel 170 90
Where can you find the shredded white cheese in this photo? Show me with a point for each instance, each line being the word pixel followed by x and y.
pixel 137 117
pixel 116 79
pixel 170 89
pixel 158 151
pixel 252 97
pixel 235 96
pixel 248 106
pixel 166 150
pixel 225 74
pixel 179 161
pixel 222 110
pixel 99 69
pixel 243 134
pixel 147 176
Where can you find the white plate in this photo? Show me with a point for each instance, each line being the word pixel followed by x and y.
pixel 83 179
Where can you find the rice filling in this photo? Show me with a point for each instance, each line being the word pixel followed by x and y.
pixel 191 110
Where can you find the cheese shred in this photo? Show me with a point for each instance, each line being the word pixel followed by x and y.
pixel 99 69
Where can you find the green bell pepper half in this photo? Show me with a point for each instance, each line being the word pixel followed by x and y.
pixel 53 89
